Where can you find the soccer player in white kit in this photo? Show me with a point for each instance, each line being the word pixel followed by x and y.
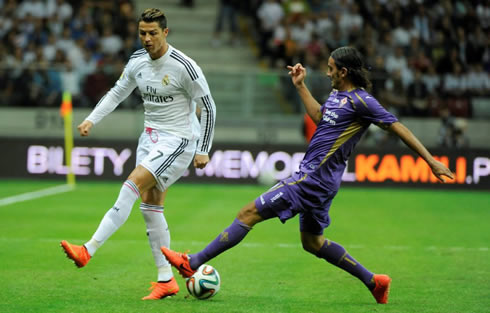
pixel 171 85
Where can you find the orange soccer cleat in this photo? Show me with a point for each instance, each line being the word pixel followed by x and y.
pixel 78 254
pixel 382 288
pixel 162 290
pixel 180 261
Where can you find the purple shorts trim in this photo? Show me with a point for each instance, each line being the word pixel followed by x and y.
pixel 294 196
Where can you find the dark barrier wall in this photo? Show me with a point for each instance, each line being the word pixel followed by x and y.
pixel 232 163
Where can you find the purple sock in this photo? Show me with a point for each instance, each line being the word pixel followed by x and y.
pixel 336 255
pixel 227 239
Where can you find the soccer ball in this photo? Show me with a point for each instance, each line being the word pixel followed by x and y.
pixel 204 283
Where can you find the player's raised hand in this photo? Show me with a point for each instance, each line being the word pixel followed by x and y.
pixel 84 128
pixel 440 170
pixel 297 73
pixel 200 160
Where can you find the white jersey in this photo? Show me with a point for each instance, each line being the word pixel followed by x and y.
pixel 170 86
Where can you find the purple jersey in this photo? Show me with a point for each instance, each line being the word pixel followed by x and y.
pixel 346 115
pixel 309 192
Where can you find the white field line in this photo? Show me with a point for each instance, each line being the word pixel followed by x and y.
pixel 202 244
pixel 36 194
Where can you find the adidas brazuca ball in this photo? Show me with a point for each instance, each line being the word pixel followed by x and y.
pixel 205 283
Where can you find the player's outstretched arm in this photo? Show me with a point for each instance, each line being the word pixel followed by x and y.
pixel 439 169
pixel 298 75
pixel 84 128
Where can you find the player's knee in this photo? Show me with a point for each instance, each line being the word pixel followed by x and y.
pixel 308 247
pixel 153 197
pixel 311 244
pixel 249 215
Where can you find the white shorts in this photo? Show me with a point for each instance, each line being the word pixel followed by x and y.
pixel 166 156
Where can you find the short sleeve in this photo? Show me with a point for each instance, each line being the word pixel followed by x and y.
pixel 370 110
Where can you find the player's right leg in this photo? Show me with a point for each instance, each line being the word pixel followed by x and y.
pixel 78 254
pixel 158 235
pixel 231 236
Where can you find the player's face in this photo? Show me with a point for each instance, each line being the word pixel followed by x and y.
pixel 335 75
pixel 153 38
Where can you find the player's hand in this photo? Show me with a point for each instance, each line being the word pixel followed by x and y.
pixel 440 170
pixel 84 128
pixel 200 160
pixel 297 73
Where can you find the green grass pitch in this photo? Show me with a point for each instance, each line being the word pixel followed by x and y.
pixel 433 243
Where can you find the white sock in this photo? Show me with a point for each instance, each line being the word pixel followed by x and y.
pixel 158 235
pixel 165 273
pixel 115 217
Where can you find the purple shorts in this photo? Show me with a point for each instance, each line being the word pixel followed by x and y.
pixel 298 194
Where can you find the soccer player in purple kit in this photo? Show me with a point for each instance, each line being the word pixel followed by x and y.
pixel 341 121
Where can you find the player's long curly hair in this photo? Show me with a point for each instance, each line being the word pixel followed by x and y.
pixel 352 60
pixel 154 15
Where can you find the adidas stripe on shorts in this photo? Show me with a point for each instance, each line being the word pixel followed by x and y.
pixel 166 156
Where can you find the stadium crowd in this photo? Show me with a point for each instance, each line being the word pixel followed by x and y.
pixel 49 46
pixel 426 57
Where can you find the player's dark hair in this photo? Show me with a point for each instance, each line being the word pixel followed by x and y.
pixel 154 15
pixel 351 59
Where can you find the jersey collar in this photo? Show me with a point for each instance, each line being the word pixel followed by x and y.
pixel 163 58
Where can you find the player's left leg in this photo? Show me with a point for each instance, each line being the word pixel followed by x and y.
pixel 314 242
pixel 158 235
pixel 167 161
pixel 336 255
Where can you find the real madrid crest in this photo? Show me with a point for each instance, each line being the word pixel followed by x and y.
pixel 166 80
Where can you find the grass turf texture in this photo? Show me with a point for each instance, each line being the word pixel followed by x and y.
pixel 434 244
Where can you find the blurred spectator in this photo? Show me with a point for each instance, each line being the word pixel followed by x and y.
pixel 227 12
pixel 64 10
pixel 302 32
pixel 110 43
pixel 324 25
pixel 270 13
pixel 397 62
pixel 395 94
pixel 98 86
pixel 66 42
pixel 419 61
pixel 421 24
pixel 432 80
pixel 478 81
pixel 350 21
pixel 455 81
pixel 378 78
pixel 483 12
pixel 452 131
pixel 417 96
